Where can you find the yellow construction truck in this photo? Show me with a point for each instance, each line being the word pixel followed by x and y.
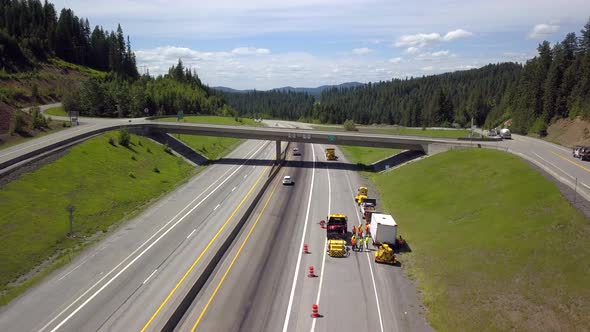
pixel 331 154
pixel 361 194
pixel 336 233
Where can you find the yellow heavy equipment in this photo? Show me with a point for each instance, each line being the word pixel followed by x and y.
pixel 337 248
pixel 361 194
pixel 331 154
pixel 385 255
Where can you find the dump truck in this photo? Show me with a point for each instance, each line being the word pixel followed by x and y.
pixel 337 227
pixel 368 204
pixel 383 229
pixel 361 194
pixel 331 154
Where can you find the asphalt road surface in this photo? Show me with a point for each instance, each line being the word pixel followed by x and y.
pixel 263 284
pixel 121 281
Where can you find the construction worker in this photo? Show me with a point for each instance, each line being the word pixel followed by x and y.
pixel 367 242
pixel 367 230
pixel 360 231
pixel 353 230
pixel 353 242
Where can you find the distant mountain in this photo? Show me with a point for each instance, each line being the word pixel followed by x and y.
pixel 312 91
pixel 318 91
pixel 229 90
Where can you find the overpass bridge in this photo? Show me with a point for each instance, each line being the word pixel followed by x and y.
pixel 11 157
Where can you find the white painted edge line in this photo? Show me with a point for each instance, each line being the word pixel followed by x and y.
pixel 317 301
pixel 291 296
pixel 357 213
pixel 193 232
pixel 148 278
pixel 552 164
pixel 142 245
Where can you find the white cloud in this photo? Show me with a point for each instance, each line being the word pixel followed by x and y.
pixel 413 50
pixel 417 40
pixel 395 60
pixel 250 50
pixel 362 51
pixel 427 68
pixel 457 34
pixel 543 30
pixel 422 40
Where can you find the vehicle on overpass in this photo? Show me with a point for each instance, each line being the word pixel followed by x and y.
pixel 296 152
pixel 505 133
pixel 287 180
pixel 337 227
pixel 331 154
pixel 361 194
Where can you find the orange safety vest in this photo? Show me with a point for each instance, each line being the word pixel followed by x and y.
pixel 367 228
pixel 353 229
pixel 353 241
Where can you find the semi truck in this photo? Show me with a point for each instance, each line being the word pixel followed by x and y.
pixel 383 229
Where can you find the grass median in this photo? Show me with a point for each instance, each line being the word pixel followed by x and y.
pixel 495 246
pixel 106 183
pixel 366 155
pixel 56 111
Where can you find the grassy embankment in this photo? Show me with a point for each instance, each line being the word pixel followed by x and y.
pixel 56 111
pixel 494 244
pixel 209 146
pixel 366 155
pixel 106 184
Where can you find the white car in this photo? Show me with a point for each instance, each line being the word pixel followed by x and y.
pixel 296 152
pixel 287 180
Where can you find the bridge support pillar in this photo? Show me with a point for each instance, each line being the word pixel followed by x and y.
pixel 278 152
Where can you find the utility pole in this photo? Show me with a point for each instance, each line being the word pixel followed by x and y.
pixel 71 210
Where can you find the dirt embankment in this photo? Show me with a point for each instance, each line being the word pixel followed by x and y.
pixel 569 132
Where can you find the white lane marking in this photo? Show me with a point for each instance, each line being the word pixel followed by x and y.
pixel 585 185
pixel 358 216
pixel 245 176
pixel 148 278
pixel 46 140
pixel 288 314
pixel 141 246
pixel 375 290
pixel 552 164
pixel 194 230
pixel 233 189
pixel 82 263
pixel 317 301
pixel 218 205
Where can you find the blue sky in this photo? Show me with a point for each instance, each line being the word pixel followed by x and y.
pixel 264 44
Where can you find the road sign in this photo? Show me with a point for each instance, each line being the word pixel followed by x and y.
pixel 331 138
pixel 180 115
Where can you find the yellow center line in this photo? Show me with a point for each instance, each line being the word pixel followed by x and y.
pixel 202 253
pixel 573 162
pixel 237 255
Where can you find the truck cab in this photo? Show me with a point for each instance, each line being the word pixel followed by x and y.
pixel 337 227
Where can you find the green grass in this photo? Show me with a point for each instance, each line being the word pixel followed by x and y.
pixel 210 146
pixel 57 111
pixel 106 184
pixel 366 155
pixel 495 246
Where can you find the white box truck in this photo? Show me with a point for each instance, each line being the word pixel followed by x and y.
pixel 383 229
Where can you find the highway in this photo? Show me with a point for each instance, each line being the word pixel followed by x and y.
pixel 262 284
pixel 118 283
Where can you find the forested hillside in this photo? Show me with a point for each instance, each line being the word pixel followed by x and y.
pixel 35 41
pixel 270 104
